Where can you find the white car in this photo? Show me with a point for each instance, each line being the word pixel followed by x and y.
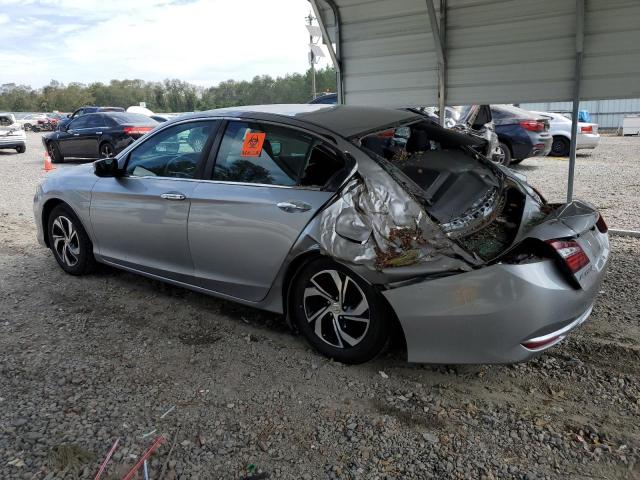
pixel 28 121
pixel 12 135
pixel 560 129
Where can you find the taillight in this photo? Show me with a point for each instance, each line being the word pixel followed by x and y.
pixel 571 252
pixel 587 129
pixel 602 225
pixel 137 130
pixel 532 125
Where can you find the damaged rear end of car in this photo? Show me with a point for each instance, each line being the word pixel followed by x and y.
pixel 476 265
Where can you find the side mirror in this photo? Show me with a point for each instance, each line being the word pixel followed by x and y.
pixel 107 167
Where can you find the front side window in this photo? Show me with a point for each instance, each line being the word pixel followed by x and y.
pixel 94 121
pixel 274 155
pixel 175 152
pixel 78 123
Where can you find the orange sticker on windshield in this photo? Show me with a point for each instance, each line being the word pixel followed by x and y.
pixel 252 146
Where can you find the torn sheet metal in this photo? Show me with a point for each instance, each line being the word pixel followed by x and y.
pixel 376 223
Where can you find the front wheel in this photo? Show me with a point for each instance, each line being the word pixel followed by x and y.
pixel 54 153
pixel 21 149
pixel 69 242
pixel 340 315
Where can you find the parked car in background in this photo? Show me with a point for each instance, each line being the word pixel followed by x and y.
pixel 88 109
pixel 325 99
pixel 300 210
pixel 49 122
pixel 12 135
pixel 521 134
pixel 96 135
pixel 31 120
pixel 560 130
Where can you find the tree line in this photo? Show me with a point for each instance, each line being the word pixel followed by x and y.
pixel 170 95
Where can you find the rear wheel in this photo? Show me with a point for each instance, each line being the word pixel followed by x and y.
pixel 21 149
pixel 503 155
pixel 340 315
pixel 69 242
pixel 106 150
pixel 560 147
pixel 54 153
pixel 27 127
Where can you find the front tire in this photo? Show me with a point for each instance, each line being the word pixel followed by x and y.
pixel 560 147
pixel 21 149
pixel 27 127
pixel 54 153
pixel 69 242
pixel 341 315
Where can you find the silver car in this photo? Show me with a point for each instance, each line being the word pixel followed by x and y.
pixel 350 221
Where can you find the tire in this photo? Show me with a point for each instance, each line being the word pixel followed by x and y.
pixel 560 147
pixel 106 150
pixel 504 157
pixel 27 127
pixel 54 153
pixel 69 242
pixel 21 149
pixel 329 322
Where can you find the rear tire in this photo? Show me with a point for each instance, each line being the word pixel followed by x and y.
pixel 503 157
pixel 341 315
pixel 69 242
pixel 21 149
pixel 54 153
pixel 560 147
pixel 106 150
pixel 27 127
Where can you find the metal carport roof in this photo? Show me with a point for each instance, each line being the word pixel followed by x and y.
pixel 437 52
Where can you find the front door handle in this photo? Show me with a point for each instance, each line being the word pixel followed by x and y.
pixel 292 206
pixel 172 196
pixel 98 133
pixel 76 134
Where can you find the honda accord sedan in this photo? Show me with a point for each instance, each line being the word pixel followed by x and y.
pixel 95 135
pixel 350 221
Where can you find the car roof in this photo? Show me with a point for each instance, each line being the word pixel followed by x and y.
pixel 345 120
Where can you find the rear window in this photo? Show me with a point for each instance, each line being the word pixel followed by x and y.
pixel 136 118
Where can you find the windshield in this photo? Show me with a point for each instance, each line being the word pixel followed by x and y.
pixel 6 121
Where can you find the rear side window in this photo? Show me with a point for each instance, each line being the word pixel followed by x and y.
pixel 274 155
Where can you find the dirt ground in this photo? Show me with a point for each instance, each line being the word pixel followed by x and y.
pixel 236 395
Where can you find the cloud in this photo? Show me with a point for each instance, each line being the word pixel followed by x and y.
pixel 202 41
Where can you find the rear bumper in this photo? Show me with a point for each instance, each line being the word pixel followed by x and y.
pixel 587 141
pixel 12 142
pixel 485 315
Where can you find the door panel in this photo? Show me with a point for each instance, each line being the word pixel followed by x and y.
pixel 239 237
pixel 135 226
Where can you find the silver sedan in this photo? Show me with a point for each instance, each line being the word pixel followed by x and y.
pixel 350 221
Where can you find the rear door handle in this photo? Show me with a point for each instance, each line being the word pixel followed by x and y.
pixel 172 196
pixel 98 133
pixel 292 206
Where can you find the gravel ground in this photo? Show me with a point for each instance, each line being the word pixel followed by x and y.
pixel 84 360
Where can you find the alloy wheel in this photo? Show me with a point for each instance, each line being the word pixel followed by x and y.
pixel 338 309
pixel 106 151
pixel 499 156
pixel 66 242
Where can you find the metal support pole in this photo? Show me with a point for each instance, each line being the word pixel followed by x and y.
pixel 326 39
pixel 438 40
pixel 576 95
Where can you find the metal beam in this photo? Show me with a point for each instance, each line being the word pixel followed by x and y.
pixel 438 32
pixel 577 78
pixel 326 39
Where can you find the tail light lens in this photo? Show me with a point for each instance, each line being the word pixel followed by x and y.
pixel 137 130
pixel 587 129
pixel 571 252
pixel 532 125
pixel 602 225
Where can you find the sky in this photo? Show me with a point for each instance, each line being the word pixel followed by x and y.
pixel 201 41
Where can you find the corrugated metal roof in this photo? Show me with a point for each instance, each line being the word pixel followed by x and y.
pixel 497 51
